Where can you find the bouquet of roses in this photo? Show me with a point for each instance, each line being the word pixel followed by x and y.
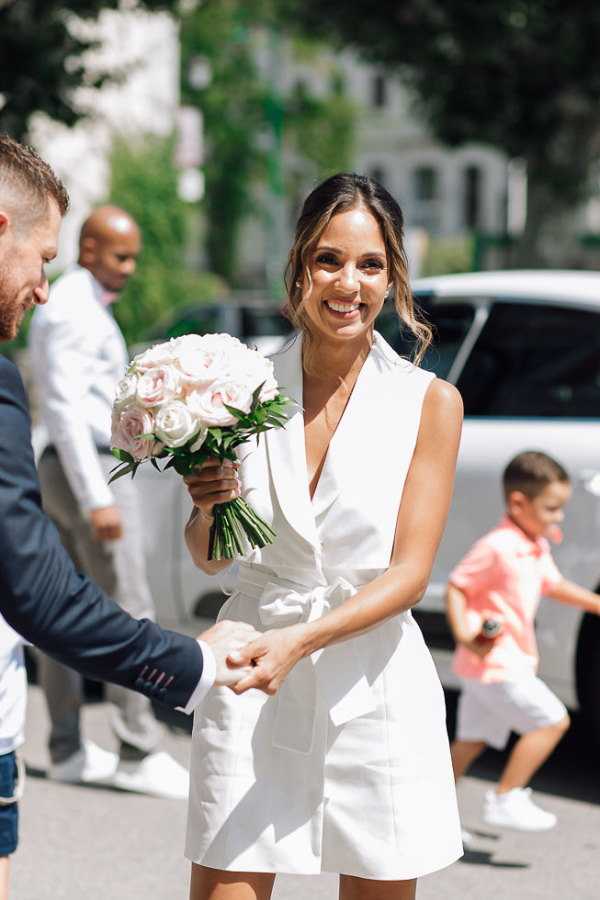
pixel 191 398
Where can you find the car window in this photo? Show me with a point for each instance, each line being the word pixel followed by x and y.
pixel 450 323
pixel 261 322
pixel 534 360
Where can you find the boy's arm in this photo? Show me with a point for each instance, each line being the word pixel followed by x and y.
pixel 462 630
pixel 574 595
pixel 456 613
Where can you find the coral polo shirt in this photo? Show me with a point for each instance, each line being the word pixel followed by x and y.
pixel 504 576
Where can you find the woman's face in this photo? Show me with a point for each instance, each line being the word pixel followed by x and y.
pixel 349 275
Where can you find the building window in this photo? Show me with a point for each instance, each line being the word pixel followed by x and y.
pixel 472 197
pixel 379 89
pixel 426 193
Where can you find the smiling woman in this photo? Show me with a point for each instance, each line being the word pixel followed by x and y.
pixel 347 769
pixel 369 262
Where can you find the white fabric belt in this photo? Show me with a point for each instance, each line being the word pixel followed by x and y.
pixel 334 675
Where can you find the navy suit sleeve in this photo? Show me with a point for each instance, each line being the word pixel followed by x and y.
pixel 59 610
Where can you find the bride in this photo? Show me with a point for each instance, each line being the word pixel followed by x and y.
pixel 346 769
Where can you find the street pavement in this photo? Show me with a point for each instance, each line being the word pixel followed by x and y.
pixel 101 844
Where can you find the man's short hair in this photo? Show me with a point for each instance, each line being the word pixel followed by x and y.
pixel 532 471
pixel 27 182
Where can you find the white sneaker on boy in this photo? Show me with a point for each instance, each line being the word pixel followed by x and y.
pixel 515 809
pixel 157 774
pixel 89 765
pixel 467 838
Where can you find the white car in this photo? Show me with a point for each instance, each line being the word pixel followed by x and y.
pixel 524 350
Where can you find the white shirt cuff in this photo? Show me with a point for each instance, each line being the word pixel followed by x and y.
pixel 207 679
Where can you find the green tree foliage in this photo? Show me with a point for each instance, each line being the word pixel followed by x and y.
pixel 232 105
pixel 321 129
pixel 246 115
pixel 41 58
pixel 144 182
pixel 521 75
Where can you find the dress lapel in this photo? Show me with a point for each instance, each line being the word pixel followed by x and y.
pixel 363 416
pixel 285 448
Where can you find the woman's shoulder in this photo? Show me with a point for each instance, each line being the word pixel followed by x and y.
pixel 442 407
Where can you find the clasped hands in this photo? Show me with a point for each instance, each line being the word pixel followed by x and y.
pixel 247 658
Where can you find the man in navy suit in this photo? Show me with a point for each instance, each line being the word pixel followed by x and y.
pixel 41 594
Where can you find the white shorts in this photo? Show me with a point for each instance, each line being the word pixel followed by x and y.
pixel 489 712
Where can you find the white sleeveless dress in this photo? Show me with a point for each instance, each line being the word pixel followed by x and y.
pixel 347 769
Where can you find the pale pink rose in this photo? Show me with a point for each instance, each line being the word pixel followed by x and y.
pixel 209 358
pixel 128 425
pixel 159 355
pixel 208 405
pixel 176 424
pixel 158 385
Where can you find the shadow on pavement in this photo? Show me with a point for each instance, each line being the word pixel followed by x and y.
pixel 486 858
pixel 572 771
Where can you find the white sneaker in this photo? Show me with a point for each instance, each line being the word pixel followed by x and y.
pixel 467 839
pixel 89 765
pixel 516 809
pixel 157 774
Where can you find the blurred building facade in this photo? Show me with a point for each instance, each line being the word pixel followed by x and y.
pixel 444 192
pixel 142 50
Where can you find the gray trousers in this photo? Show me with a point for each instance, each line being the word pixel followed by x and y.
pixel 119 568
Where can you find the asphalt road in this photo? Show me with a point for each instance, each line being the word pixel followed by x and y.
pixel 101 844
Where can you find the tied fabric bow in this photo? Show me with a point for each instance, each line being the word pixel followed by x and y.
pixel 334 675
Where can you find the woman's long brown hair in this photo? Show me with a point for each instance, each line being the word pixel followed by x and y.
pixel 338 194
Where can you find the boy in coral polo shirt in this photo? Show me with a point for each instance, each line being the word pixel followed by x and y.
pixel 501 581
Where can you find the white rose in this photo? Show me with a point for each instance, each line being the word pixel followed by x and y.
pixel 125 391
pixel 158 385
pixel 208 404
pixel 257 369
pixel 175 424
pixel 186 341
pixel 159 355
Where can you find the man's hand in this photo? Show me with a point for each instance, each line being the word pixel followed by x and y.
pixel 227 638
pixel 106 523
pixel 271 656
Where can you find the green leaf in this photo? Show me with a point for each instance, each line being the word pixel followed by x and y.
pixel 256 396
pixel 124 470
pixel 122 455
pixel 238 413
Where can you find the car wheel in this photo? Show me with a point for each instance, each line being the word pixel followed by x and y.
pixel 587 675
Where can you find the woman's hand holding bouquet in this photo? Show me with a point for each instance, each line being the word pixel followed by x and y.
pixel 192 401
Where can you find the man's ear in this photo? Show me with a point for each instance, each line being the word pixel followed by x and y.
pixel 87 250
pixel 4 222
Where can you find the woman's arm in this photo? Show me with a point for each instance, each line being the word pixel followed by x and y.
pixel 213 482
pixel 420 524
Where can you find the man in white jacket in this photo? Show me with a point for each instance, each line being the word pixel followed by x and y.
pixel 78 355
